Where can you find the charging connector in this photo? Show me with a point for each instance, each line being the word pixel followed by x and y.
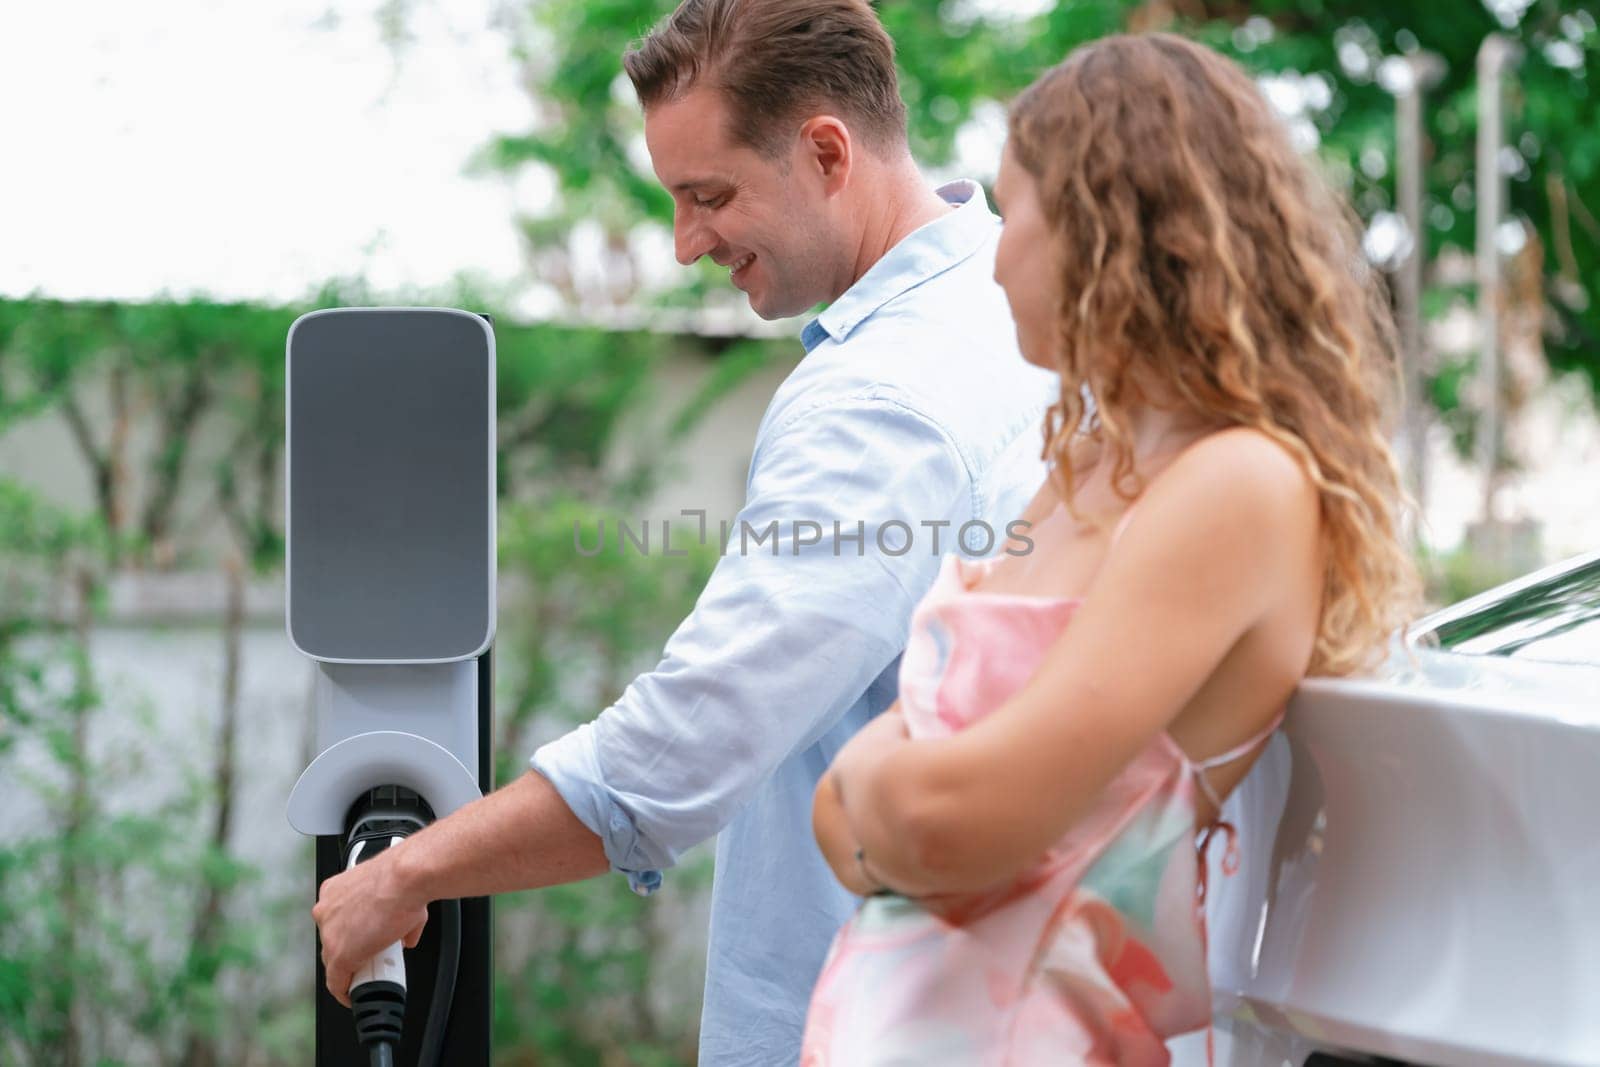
pixel 379 820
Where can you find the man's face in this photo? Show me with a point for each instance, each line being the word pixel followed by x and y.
pixel 766 220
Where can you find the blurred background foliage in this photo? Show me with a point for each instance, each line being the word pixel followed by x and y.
pixel 581 970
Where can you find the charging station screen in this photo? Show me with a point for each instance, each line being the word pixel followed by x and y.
pixel 391 493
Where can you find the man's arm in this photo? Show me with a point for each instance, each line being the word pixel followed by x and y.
pixel 525 825
pixel 779 645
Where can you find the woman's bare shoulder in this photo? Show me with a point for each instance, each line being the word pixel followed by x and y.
pixel 1244 467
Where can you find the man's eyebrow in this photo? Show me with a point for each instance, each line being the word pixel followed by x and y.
pixel 694 183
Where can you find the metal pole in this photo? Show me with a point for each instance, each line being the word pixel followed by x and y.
pixel 1408 80
pixel 1493 56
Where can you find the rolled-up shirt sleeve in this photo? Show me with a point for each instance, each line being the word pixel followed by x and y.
pixel 783 639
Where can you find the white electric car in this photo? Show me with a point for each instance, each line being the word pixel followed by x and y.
pixel 1420 876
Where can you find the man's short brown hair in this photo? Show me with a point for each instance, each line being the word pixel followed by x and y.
pixel 773 60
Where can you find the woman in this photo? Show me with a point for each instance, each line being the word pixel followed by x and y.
pixel 1024 822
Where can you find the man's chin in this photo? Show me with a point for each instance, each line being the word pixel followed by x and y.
pixel 772 310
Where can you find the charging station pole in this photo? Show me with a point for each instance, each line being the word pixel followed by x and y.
pixel 391 592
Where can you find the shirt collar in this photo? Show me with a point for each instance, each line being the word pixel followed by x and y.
pixel 931 249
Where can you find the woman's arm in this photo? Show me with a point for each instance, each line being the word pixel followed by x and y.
pixel 1226 533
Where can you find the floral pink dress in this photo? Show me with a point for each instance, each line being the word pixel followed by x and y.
pixel 1095 955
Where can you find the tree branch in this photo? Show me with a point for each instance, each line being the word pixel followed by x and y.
pixel 179 416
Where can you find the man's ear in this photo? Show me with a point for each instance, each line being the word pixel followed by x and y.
pixel 828 151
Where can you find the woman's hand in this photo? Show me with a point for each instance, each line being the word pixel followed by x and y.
pixel 830 821
pixel 833 835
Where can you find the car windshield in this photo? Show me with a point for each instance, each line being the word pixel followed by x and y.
pixel 1554 618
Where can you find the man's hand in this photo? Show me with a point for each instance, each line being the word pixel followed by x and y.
pixel 362 911
pixel 521 836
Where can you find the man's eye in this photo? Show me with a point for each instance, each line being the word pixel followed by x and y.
pixel 712 202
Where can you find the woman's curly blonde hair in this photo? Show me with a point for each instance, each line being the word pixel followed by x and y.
pixel 1198 251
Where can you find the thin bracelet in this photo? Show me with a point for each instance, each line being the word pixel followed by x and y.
pixel 861 865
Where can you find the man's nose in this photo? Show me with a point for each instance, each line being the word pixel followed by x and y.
pixel 690 240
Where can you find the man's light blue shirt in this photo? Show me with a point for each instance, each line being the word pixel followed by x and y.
pixel 911 417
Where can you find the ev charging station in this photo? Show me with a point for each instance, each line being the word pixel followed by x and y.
pixel 391 591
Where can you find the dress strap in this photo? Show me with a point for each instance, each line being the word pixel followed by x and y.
pixel 1238 750
pixel 1199 767
pixel 1230 864
pixel 1122 523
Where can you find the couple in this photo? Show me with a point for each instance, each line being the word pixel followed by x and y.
pixel 1009 758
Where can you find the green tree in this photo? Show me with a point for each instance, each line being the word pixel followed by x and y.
pixel 959 59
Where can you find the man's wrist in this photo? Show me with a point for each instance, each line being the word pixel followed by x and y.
pixel 408 873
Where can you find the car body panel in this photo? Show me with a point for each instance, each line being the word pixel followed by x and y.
pixel 1418 861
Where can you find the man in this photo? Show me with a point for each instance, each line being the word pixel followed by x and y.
pixel 778 129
